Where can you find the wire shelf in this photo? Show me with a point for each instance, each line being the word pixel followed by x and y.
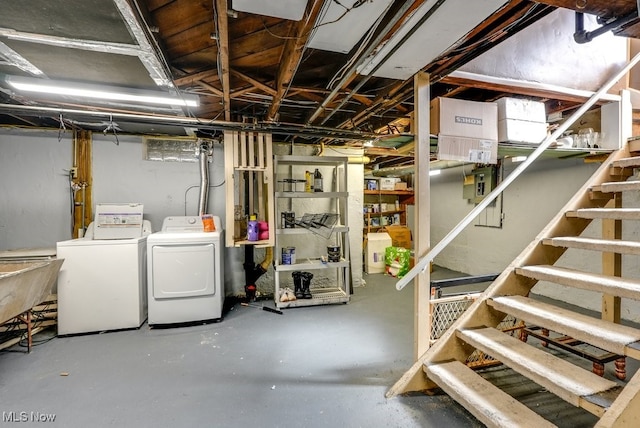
pixel 320 224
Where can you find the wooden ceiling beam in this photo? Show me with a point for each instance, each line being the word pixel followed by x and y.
pixel 239 92
pixel 385 152
pixel 460 79
pixel 193 78
pixel 209 87
pixel 222 26
pixel 262 86
pixel 293 50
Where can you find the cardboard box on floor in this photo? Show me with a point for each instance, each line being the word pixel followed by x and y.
pixel 400 236
pixel 375 246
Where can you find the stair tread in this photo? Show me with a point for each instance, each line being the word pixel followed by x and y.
pixel 617 186
pixel 627 162
pixel 611 213
pixel 604 245
pixel 564 379
pixel 605 335
pixel 623 287
pixel 486 402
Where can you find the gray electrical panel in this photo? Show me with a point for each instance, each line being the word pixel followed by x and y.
pixel 479 184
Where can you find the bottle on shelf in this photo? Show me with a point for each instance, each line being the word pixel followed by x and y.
pixel 308 182
pixel 317 181
pixel 252 228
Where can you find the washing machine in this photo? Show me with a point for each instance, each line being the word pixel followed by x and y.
pixel 102 282
pixel 185 271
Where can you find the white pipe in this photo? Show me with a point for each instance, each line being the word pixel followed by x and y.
pixel 431 254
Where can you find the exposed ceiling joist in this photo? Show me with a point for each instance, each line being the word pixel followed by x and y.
pixel 222 26
pixel 294 48
pixel 262 86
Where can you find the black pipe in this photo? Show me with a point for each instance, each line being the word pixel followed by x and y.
pixel 582 36
pixel 252 271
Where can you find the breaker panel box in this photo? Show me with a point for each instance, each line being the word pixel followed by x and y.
pixel 479 184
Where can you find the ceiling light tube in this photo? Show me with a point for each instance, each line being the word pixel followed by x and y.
pixel 434 172
pixel 72 89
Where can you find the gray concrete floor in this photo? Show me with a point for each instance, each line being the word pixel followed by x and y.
pixel 310 367
pixel 319 366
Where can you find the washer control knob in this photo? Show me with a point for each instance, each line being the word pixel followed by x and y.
pixel 192 220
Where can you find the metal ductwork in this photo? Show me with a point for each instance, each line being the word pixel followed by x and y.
pixel 204 178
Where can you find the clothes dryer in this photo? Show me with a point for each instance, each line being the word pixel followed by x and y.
pixel 185 271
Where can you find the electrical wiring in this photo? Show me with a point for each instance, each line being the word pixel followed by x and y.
pixel 356 56
pixel 355 5
pixel 197 187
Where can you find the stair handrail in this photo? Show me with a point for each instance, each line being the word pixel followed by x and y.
pixel 424 261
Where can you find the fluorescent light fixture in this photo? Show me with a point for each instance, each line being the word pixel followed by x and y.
pixel 425 35
pixel 285 9
pixel 99 92
pixel 434 172
pixel 516 159
pixel 338 30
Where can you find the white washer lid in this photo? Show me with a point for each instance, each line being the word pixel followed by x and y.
pixel 118 221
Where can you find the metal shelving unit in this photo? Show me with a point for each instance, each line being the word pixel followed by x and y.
pixel 311 243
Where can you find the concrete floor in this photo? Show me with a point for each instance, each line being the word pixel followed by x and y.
pixel 310 367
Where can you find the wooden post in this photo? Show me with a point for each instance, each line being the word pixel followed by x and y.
pixel 84 178
pixel 422 216
pixel 612 262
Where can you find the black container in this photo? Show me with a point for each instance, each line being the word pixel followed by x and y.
pixel 333 253
pixel 288 220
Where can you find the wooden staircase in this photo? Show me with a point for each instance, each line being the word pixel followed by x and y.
pixel 615 403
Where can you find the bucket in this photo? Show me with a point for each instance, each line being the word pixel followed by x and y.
pixel 333 253
pixel 288 256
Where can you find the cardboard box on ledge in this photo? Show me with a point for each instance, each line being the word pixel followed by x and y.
pixel 400 236
pixel 401 186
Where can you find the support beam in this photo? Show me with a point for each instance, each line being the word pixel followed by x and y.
pixel 523 87
pixel 612 262
pixel 82 211
pixel 293 50
pixel 263 87
pixel 193 78
pixel 422 217
pixel 222 26
pixel 210 88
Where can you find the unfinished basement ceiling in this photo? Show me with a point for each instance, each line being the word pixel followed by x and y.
pixel 261 63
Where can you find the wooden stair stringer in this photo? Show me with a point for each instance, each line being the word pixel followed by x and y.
pixel 625 410
pixel 448 346
pixel 566 380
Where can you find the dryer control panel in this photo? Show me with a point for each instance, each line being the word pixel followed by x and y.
pixel 184 224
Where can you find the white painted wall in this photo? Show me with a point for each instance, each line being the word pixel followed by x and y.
pixel 546 52
pixel 121 174
pixel 528 205
pixel 35 211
